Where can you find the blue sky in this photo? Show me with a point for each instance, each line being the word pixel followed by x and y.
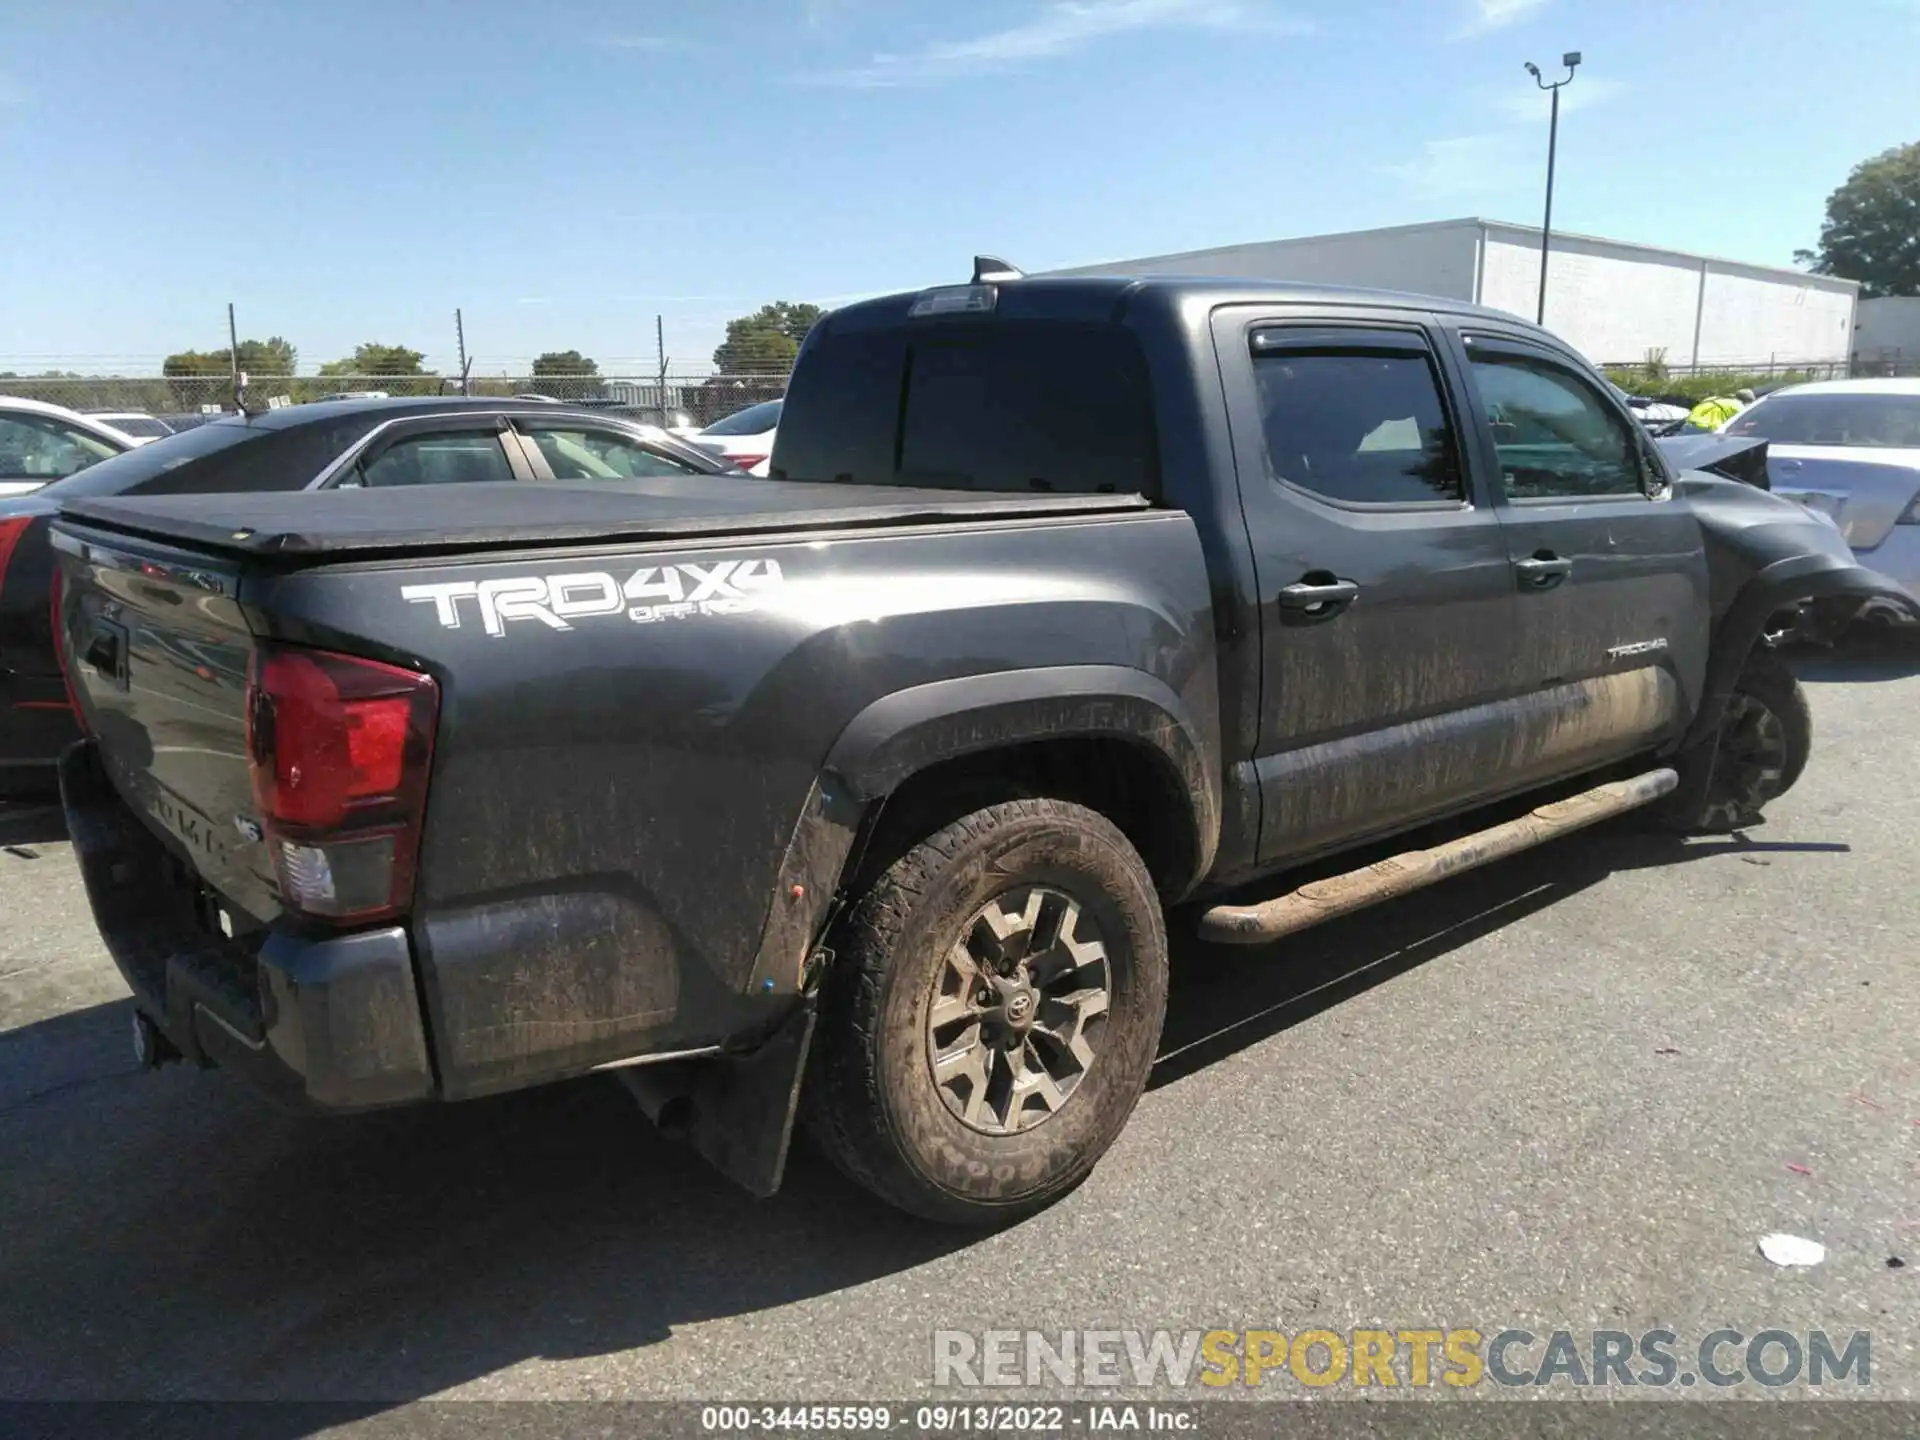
pixel 352 171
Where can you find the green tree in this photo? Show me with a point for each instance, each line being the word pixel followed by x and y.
pixel 195 362
pixel 564 362
pixel 751 349
pixel 765 342
pixel 794 320
pixel 200 377
pixel 272 356
pixel 197 377
pixel 386 367
pixel 373 358
pixel 1872 229
pixel 566 375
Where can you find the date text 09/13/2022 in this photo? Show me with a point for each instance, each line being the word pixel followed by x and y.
pixel 948 1419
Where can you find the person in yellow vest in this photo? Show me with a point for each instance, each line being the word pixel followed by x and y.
pixel 1715 411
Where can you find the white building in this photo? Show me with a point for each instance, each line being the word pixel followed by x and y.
pixel 1612 300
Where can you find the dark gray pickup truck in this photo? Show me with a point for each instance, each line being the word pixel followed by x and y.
pixel 860 794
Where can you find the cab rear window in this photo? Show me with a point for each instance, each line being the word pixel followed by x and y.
pixel 1023 406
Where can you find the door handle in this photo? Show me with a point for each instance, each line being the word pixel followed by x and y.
pixel 1543 571
pixel 1314 599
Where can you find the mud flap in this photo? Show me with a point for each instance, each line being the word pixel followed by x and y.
pixel 1694 765
pixel 736 1111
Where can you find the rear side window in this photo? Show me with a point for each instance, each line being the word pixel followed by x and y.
pixel 1023 406
pixel 457 457
pixel 38 447
pixel 576 454
pixel 1356 420
pixel 754 420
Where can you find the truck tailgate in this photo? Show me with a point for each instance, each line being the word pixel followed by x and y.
pixel 158 650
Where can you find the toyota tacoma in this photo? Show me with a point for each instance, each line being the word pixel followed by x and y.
pixel 861 795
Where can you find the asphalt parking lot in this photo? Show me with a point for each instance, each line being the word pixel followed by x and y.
pixel 1568 1092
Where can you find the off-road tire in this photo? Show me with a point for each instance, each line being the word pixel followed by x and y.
pixel 870 1100
pixel 1767 701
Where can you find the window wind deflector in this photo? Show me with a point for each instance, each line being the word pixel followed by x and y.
pixel 1346 340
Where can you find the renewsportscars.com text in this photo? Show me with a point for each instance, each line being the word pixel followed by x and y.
pixel 1414 1357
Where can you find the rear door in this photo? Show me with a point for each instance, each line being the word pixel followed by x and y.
pixel 1385 590
pixel 1612 614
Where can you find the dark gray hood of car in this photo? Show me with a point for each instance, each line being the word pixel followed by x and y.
pixel 1736 457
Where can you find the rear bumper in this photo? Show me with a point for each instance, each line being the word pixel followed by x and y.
pixel 328 1023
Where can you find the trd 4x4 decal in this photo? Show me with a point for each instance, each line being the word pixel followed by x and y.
pixel 651 593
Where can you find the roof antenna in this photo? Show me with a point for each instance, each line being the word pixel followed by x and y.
pixel 233 361
pixel 991 270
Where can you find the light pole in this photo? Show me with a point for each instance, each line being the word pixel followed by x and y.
pixel 1572 61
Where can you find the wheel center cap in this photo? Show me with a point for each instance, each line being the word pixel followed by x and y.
pixel 1020 1007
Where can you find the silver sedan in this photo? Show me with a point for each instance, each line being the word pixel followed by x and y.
pixel 1852 449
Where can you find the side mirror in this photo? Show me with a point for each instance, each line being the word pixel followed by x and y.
pixel 1653 480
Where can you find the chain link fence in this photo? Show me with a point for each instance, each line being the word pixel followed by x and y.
pixel 699 400
pixel 670 400
pixel 1863 365
pixel 1888 362
pixel 1686 384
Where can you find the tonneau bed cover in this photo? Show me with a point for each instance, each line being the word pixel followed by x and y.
pixel 303 525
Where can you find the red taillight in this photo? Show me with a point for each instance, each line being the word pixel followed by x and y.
pixel 10 533
pixel 339 749
pixel 746 462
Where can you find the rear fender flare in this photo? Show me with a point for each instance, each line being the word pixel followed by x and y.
pixel 902 734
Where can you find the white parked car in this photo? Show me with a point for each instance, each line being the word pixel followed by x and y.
pixel 1852 449
pixel 744 437
pixel 137 425
pixel 41 443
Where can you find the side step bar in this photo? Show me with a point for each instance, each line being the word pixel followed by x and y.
pixel 1384 879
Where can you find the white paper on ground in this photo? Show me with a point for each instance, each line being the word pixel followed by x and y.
pixel 1792 1250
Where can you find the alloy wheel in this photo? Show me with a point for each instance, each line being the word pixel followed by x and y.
pixel 1017 1010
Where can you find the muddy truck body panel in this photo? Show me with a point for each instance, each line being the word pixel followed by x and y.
pixel 1074 598
pixel 651 762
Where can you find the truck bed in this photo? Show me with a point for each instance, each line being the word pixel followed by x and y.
pixel 635 813
pixel 303 525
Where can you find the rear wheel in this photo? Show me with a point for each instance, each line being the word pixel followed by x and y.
pixel 1759 752
pixel 992 1013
